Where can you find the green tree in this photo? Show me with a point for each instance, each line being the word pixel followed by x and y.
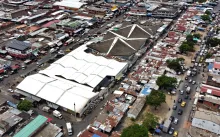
pixel 197 35
pixel 207 12
pixel 208 55
pixel 213 42
pixel 189 37
pixel 184 48
pixel 166 82
pixel 155 98
pixel 150 121
pixel 174 64
pixel 135 131
pixel 205 17
pixel 25 105
pixel 180 59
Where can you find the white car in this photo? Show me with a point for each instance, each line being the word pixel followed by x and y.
pixel 181 92
pixel 10 90
pixel 193 82
pixel 190 80
pixel 175 121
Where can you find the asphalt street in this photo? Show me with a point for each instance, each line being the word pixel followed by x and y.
pixel 181 127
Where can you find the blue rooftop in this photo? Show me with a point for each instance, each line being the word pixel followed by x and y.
pixel 210 66
pixel 95 135
pixel 146 90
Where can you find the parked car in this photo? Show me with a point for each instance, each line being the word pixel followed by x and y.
pixel 46 109
pixel 171 118
pixel 10 90
pixel 171 130
pixel 186 96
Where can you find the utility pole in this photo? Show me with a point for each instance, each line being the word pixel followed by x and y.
pixel 75 109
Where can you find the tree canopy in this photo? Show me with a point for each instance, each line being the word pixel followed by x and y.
pixel 175 64
pixel 25 105
pixel 166 82
pixel 205 17
pixel 184 48
pixel 156 98
pixel 207 12
pixel 197 35
pixel 189 37
pixel 188 45
pixel 135 131
pixel 208 55
pixel 213 42
pixel 150 120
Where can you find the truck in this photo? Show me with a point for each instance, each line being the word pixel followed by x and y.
pixel 57 114
pixel 188 90
pixel 166 126
pixel 69 128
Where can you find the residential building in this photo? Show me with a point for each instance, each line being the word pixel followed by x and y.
pixel 166 12
pixel 209 102
pixel 96 11
pixel 136 107
pixel 18 49
pixel 210 90
pixel 8 121
pixel 216 66
pixel 91 132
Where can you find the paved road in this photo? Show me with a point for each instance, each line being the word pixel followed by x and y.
pixel 217 8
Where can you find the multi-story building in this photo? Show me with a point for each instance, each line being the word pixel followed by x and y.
pixel 165 12
pixel 18 49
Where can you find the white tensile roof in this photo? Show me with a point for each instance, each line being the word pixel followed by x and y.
pixel 64 82
pixel 59 91
pixel 84 68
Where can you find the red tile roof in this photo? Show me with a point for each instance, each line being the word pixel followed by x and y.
pixel 171 34
pixel 181 28
pixel 214 90
pixel 216 65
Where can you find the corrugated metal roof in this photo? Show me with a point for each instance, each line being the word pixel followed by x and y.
pixel 31 127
